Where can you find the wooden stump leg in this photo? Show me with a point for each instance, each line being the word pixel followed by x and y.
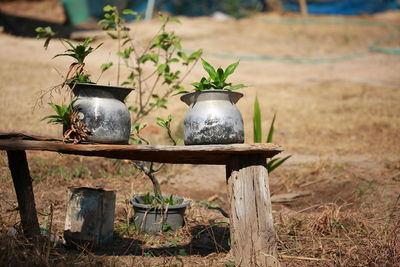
pixel 253 237
pixel 23 187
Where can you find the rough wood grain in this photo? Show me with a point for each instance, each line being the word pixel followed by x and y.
pixel 252 231
pixel 209 154
pixel 23 187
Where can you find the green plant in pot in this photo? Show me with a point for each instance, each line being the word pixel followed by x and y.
pixel 213 117
pixel 155 212
pixel 98 112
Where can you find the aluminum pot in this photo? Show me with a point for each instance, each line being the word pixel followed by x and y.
pixel 213 118
pixel 104 112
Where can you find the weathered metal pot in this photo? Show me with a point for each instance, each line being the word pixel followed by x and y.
pixel 104 112
pixel 150 220
pixel 213 118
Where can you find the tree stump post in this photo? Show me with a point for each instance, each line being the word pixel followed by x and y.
pixel 253 237
pixel 23 188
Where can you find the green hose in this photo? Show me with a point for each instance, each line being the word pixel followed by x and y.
pixel 373 47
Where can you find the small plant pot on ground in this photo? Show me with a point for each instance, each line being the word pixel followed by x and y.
pixel 103 112
pixel 213 118
pixel 152 220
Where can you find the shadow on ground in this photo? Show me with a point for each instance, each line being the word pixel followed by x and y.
pixel 206 239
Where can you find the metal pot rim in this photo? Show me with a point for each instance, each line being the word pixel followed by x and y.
pixel 185 98
pixel 118 92
pixel 135 203
pixel 102 86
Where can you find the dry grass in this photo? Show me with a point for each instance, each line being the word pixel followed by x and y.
pixel 347 221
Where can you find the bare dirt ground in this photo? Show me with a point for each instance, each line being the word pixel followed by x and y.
pixel 338 117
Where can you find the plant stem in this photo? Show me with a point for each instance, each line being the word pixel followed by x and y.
pixel 171 137
pixel 189 71
pixel 119 51
pixel 154 180
pixel 149 172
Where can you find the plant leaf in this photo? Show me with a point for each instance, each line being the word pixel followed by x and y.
pixel 173 60
pixel 236 87
pixel 70 44
pixel 221 79
pixel 182 55
pixel 161 68
pixel 177 45
pixel 106 66
pixel 226 215
pixel 270 162
pixel 271 130
pixel 162 18
pixel 113 36
pixel 230 69
pixel 107 8
pixel 195 55
pixel 277 163
pixel 210 69
pixel 257 130
pixel 129 12
pixel 174 20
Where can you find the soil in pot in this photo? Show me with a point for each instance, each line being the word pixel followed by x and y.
pixel 152 220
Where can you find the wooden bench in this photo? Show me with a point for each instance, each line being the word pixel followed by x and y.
pixel 253 238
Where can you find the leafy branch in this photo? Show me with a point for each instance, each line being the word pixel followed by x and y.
pixel 167 125
pixel 162 53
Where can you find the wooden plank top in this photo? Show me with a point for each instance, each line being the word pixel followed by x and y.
pixel 196 154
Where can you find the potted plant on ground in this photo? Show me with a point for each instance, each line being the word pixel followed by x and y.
pixel 156 212
pixel 212 117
